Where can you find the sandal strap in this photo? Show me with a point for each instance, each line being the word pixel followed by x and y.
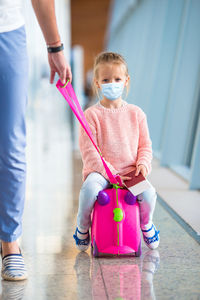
pixel 81 232
pixel 149 240
pixel 81 242
pixel 148 229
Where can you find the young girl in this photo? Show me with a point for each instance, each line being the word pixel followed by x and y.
pixel 121 132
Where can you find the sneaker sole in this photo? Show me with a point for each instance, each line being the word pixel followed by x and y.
pixel 14 278
pixel 82 247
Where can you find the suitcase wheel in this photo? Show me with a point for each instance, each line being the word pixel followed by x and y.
pixel 95 251
pixel 139 251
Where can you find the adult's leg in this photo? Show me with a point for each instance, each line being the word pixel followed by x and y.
pixel 13 101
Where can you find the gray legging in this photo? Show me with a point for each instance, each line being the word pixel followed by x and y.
pixel 93 184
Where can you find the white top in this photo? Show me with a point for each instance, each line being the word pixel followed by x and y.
pixel 11 16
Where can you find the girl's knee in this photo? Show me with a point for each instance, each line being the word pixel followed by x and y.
pixel 149 195
pixel 93 184
pixel 94 181
pixel 151 192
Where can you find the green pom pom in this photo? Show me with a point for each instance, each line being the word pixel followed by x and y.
pixel 118 214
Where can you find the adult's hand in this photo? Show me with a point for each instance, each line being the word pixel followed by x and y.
pixel 45 13
pixel 58 64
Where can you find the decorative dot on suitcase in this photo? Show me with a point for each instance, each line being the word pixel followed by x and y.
pixel 103 198
pixel 130 198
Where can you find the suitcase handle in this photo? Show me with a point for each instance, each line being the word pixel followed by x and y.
pixel 68 93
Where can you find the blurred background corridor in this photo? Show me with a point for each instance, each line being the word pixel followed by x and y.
pixel 160 41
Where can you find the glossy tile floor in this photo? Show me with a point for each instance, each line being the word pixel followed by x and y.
pixel 56 269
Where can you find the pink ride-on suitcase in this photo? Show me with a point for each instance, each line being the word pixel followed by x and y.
pixel 115 221
pixel 116 224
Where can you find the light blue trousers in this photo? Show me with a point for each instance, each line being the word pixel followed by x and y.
pixel 13 101
pixel 93 184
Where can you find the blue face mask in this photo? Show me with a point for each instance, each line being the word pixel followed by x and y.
pixel 113 90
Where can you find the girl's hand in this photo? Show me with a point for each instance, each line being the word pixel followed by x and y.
pixel 141 169
pixel 122 178
pixel 125 178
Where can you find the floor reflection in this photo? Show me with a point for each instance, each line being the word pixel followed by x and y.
pixel 116 278
pixel 150 265
pixel 13 290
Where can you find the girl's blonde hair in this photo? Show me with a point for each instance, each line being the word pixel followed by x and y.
pixel 108 57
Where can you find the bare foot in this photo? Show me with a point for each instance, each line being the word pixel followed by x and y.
pixel 10 248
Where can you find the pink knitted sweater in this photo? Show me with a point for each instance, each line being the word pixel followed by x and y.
pixel 122 135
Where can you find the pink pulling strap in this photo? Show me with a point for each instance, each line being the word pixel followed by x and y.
pixel 70 96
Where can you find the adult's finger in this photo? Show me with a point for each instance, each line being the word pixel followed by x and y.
pixel 52 76
pixel 69 73
pixel 63 75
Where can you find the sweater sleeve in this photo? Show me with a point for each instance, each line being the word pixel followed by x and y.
pixel 144 155
pixel 91 159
